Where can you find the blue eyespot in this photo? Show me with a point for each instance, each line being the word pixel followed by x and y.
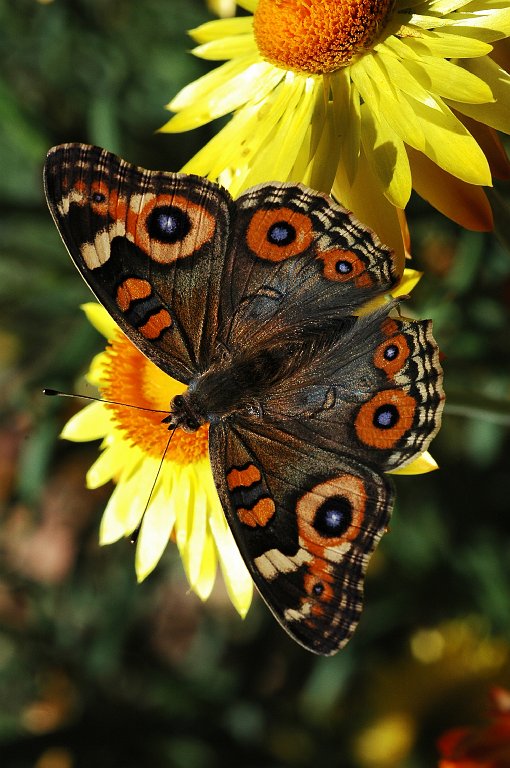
pixel 386 416
pixel 343 267
pixel 281 233
pixel 390 352
pixel 168 224
pixel 333 517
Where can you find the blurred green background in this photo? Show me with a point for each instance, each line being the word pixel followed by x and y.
pixel 97 671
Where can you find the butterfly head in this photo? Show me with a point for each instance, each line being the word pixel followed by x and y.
pixel 182 415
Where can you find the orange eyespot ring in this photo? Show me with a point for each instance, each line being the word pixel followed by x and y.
pixel 277 234
pixel 169 227
pixel 342 266
pixel 384 420
pixel 391 355
pixel 331 513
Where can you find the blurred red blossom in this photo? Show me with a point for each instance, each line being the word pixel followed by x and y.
pixel 486 746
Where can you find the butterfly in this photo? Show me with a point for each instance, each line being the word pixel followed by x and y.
pixel 254 304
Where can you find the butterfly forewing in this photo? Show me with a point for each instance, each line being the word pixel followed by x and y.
pixel 301 261
pixel 151 245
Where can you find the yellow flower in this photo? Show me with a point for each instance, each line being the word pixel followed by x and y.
pixel 368 98
pixel 184 503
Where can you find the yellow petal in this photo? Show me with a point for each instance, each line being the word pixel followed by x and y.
pixel 401 77
pixel 394 46
pixel 101 320
pixel 277 158
pixel 442 6
pixel 96 371
pixel 125 507
pixel 240 141
pixel 204 581
pixel 222 150
pixel 206 85
pixel 492 146
pixel 321 170
pixel 429 22
pixel 196 540
pixel 235 574
pixel 449 80
pixel 424 463
pixel 226 48
pixel 380 96
pixel 447 43
pixel 347 114
pixel 467 204
pixel 185 484
pixel 157 524
pixel 497 114
pixel 450 145
pixel 248 5
pixel 113 523
pixel 314 130
pixel 408 282
pixel 206 578
pixel 387 157
pixel 220 28
pixel 222 8
pixel 91 423
pixel 252 83
pixel 495 22
pixel 119 457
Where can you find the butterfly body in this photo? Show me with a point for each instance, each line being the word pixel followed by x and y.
pixel 255 304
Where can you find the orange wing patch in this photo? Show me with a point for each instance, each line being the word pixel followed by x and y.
pixel 156 324
pixel 131 290
pixel 252 502
pixel 331 514
pixel 330 518
pixel 259 515
pixel 245 477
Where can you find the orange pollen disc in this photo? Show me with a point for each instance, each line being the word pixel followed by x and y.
pixel 129 377
pixel 317 37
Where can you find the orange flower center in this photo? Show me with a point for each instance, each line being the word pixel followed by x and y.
pixel 317 37
pixel 129 377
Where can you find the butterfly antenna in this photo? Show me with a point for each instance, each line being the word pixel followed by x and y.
pixel 134 536
pixel 58 393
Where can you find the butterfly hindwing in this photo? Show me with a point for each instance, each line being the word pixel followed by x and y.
pixel 306 521
pixel 373 392
pixel 151 245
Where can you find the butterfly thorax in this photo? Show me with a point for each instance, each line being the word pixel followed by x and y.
pixel 233 384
